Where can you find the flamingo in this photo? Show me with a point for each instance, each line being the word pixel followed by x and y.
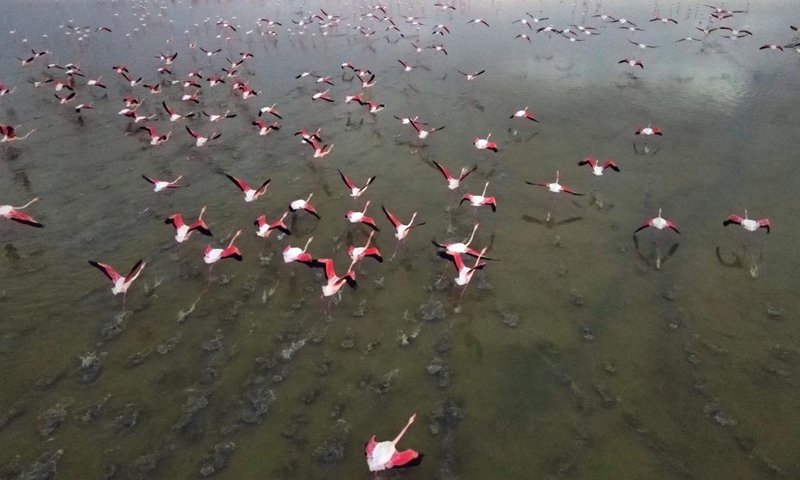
pixel 335 282
pixel 632 63
pixel 215 117
pixel 264 129
pixel 213 255
pixel 457 248
pixel 747 223
pixel 159 185
pixel 295 254
pixel 250 194
pixel 402 229
pixel 319 152
pixel 524 114
pixel 200 140
pixel 597 167
pixel 477 21
pixel 471 76
pixel 480 200
pixel 384 455
pixel 174 116
pixel 271 110
pixel 355 191
pixel 322 96
pixel 183 231
pixel 265 228
pixel 648 131
pixel 155 138
pixel 301 204
pixel 465 273
pixel 357 254
pixel 422 133
pixel 9 134
pixel 306 137
pixel 485 144
pixel 13 213
pixel 454 182
pixel 360 217
pixel 121 284
pixel 556 187
pixel 658 223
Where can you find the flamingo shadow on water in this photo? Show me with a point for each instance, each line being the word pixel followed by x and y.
pixel 550 223
pixel 660 258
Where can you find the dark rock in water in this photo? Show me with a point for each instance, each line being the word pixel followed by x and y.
pixel 208 375
pixel 128 419
pixel 218 459
pixel 51 419
pixel 7 416
pixel 310 396
pixel 432 311
pixel 440 371
pixel 256 403
pixel 44 468
pixel 587 333
pixel 443 344
pixel 91 412
pixel 90 368
pixel 337 410
pixel 112 328
pixel 510 319
pixel 215 344
pixel 443 423
pixel 577 299
pixel 332 450
pixel 138 358
pixel 715 411
pixel 192 407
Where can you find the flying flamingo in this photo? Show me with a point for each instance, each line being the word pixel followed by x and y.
pixel 597 167
pixel 121 284
pixel 384 455
pixel 422 133
pixel 322 96
pixel 454 182
pixel 480 200
pixel 200 140
pixel 159 185
pixel 648 131
pixel 401 229
pixel 265 228
pixel 250 194
pixel 155 138
pixel 319 151
pixel 747 223
pixel 335 282
pixel 295 254
pixel 471 76
pixel 301 204
pixel 355 191
pixel 13 213
pixel 360 217
pixel 750 226
pixel 485 144
pixel 264 129
pixel 658 223
pixel 271 110
pixel 9 134
pixel 465 273
pixel 524 114
pixel 183 231
pixel 457 248
pixel 213 255
pixel 555 187
pixel 357 254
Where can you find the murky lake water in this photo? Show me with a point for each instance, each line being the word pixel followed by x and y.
pixel 570 357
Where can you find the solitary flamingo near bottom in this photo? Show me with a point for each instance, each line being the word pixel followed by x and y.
pixel 13 213
pixel 747 223
pixel 384 455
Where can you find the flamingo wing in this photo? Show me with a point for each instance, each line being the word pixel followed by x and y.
pixel 391 217
pixel 243 186
pixel 107 270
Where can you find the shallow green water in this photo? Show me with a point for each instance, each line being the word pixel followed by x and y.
pixel 604 367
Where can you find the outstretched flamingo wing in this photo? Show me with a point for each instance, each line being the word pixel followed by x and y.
pixel 391 217
pixel 764 223
pixel 347 181
pixel 646 224
pixel 108 270
pixel 442 169
pixel 135 271
pixel 733 219
pixel 20 217
pixel 243 186
pixel 402 458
